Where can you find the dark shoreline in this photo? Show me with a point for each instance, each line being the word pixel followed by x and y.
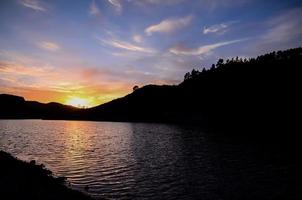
pixel 27 180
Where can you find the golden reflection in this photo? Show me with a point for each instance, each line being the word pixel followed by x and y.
pixel 77 142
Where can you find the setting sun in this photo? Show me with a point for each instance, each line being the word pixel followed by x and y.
pixel 78 102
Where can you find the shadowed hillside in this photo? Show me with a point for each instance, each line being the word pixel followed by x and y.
pixel 14 107
pixel 233 93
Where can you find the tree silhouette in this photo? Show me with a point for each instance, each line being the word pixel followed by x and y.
pixel 135 87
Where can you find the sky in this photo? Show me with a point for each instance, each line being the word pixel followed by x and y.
pixel 88 52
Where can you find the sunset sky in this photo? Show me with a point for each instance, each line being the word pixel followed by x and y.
pixel 97 50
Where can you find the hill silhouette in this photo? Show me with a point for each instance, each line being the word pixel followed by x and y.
pixel 262 91
pixel 15 107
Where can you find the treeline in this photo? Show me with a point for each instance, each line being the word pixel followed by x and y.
pixel 247 92
pixel 273 59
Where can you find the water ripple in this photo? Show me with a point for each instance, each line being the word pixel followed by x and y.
pixel 140 161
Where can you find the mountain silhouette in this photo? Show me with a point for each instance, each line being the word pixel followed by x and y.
pixel 15 107
pixel 262 91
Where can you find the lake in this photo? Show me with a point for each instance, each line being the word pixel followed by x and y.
pixel 152 161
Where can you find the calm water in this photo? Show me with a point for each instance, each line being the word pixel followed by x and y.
pixel 149 161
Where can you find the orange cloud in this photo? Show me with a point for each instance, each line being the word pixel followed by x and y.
pixel 47 84
pixel 18 69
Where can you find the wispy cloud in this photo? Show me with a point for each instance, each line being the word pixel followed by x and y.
pixel 94 9
pixel 285 27
pixel 137 38
pixel 117 5
pixel 280 32
pixel 218 28
pixel 18 69
pixel 33 4
pixel 169 25
pixel 26 75
pixel 50 46
pixel 202 50
pixel 126 46
pixel 19 58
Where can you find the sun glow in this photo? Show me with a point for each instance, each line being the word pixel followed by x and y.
pixel 78 102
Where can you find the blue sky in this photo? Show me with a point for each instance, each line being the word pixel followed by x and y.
pixel 98 49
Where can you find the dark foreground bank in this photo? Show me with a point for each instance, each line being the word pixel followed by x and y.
pixel 28 181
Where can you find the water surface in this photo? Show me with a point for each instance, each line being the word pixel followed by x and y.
pixel 149 161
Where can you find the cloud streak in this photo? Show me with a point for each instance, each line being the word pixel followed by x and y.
pixel 127 46
pixel 33 4
pixel 50 46
pixel 202 50
pixel 116 4
pixel 280 32
pixel 13 68
pixel 218 28
pixel 169 25
pixel 285 27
